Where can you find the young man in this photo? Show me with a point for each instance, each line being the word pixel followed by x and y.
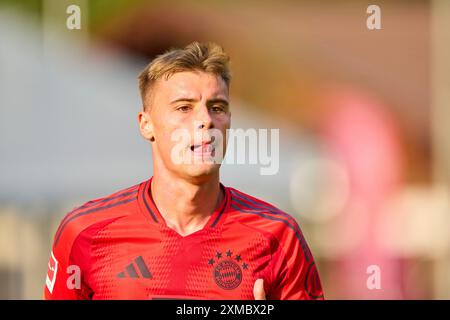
pixel 182 234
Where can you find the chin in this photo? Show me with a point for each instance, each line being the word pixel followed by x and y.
pixel 202 170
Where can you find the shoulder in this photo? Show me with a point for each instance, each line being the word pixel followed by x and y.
pixel 95 214
pixel 260 214
pixel 268 219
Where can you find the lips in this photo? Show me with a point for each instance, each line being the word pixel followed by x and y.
pixel 203 149
pixel 206 148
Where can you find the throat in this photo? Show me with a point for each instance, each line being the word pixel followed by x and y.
pixel 184 207
pixel 187 228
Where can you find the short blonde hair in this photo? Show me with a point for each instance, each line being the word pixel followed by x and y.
pixel 207 57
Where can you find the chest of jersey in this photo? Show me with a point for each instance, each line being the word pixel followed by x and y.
pixel 157 263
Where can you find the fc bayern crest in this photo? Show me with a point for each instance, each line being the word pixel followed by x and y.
pixel 227 271
pixel 228 274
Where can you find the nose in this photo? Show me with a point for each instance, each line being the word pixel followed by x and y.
pixel 204 119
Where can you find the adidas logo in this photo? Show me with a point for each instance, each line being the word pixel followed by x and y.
pixel 131 271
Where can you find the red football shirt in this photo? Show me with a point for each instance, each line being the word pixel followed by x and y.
pixel 119 247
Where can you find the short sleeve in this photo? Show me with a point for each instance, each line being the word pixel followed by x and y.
pixel 294 270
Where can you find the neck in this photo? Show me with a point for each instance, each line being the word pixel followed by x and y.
pixel 185 206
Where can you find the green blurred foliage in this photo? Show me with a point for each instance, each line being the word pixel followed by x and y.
pixel 29 6
pixel 99 10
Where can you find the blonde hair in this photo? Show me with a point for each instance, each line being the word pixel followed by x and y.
pixel 207 57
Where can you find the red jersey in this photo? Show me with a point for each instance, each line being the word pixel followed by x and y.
pixel 119 247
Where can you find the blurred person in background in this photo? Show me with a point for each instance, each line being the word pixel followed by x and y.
pixel 182 234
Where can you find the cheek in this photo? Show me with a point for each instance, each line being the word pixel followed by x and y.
pixel 223 124
pixel 223 121
pixel 164 126
pixel 171 135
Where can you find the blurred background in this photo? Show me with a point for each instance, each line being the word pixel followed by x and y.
pixel 363 117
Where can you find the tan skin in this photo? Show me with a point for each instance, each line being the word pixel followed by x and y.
pixel 186 194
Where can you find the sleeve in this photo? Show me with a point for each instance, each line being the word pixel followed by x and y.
pixel 295 275
pixel 65 278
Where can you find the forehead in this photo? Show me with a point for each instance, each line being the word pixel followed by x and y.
pixel 191 84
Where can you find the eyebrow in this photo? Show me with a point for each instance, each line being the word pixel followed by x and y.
pixel 218 100
pixel 209 102
pixel 182 100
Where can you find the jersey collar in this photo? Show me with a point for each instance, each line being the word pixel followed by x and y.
pixel 149 207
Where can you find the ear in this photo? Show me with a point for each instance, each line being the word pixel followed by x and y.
pixel 146 125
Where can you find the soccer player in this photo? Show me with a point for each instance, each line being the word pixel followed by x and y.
pixel 182 234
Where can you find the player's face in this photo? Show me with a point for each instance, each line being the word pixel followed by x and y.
pixel 188 115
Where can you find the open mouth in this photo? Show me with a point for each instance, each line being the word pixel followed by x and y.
pixel 206 148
